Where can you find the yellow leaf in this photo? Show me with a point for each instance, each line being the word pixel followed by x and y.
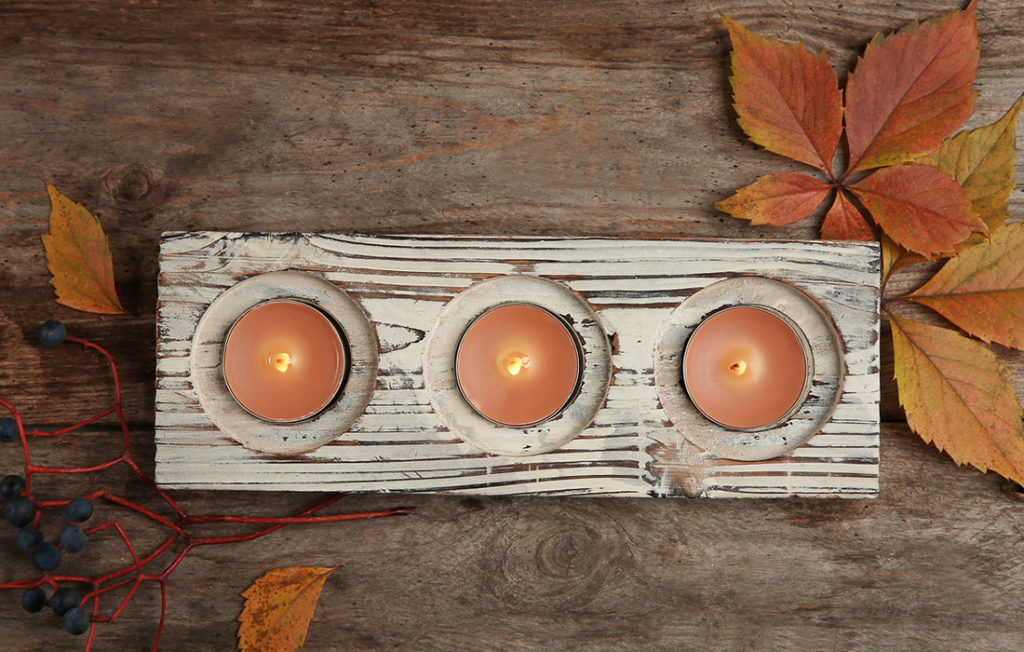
pixel 982 161
pixel 981 289
pixel 78 256
pixel 278 608
pixel 958 396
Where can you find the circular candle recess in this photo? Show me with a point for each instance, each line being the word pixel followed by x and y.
pixel 822 368
pixel 586 366
pixel 518 365
pixel 284 361
pixel 745 368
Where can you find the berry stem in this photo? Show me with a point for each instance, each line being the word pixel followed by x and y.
pixel 134 573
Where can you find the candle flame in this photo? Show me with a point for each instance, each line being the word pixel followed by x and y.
pixel 517 363
pixel 281 361
pixel 739 367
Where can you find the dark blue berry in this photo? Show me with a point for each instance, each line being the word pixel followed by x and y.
pixel 46 557
pixel 20 511
pixel 72 539
pixel 8 429
pixel 11 486
pixel 79 510
pixel 76 621
pixel 52 333
pixel 64 600
pixel 28 538
pixel 33 600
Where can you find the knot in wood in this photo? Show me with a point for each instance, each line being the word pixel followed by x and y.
pixel 132 187
pixel 559 567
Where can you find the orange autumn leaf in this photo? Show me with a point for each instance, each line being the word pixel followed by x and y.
pixel 78 256
pixel 958 396
pixel 844 221
pixel 278 608
pixel 920 207
pixel 982 161
pixel 911 89
pixel 787 99
pixel 776 199
pixel 981 289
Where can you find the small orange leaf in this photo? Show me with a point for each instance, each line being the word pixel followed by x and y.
pixel 78 256
pixel 911 89
pixel 844 221
pixel 981 289
pixel 982 161
pixel 278 608
pixel 776 199
pixel 920 207
pixel 958 396
pixel 787 99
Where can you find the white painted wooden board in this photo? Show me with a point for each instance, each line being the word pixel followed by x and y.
pixel 403 283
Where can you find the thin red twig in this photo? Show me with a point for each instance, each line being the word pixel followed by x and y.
pixel 134 574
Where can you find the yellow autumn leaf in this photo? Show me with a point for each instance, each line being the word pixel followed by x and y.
pixel 958 396
pixel 982 161
pixel 278 608
pixel 981 289
pixel 78 256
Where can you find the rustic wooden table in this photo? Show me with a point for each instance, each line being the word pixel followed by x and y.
pixel 597 118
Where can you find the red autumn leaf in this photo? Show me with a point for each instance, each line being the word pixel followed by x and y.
pixel 911 89
pixel 844 221
pixel 776 199
pixel 787 99
pixel 920 207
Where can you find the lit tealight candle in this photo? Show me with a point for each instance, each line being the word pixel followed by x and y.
pixel 518 365
pixel 745 368
pixel 284 360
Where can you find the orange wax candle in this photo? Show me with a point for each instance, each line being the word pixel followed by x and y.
pixel 744 368
pixel 517 365
pixel 284 360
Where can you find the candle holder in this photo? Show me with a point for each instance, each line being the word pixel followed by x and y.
pixel 404 302
pixel 231 418
pixel 456 413
pixel 823 352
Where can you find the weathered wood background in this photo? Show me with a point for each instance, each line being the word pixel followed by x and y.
pixel 597 118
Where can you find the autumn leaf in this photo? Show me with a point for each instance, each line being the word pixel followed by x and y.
pixel 78 256
pixel 982 161
pixel 844 221
pixel 920 207
pixel 776 199
pixel 958 396
pixel 787 99
pixel 981 289
pixel 278 608
pixel 911 89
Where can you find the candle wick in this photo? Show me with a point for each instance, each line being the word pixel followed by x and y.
pixel 739 367
pixel 281 362
pixel 516 364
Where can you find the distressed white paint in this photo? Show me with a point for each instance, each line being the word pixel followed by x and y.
pixel 631 448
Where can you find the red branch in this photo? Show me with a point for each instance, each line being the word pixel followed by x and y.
pixel 135 574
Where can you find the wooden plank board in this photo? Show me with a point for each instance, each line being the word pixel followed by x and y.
pixel 404 282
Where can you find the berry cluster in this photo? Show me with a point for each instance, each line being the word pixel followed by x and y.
pixel 80 613
pixel 22 513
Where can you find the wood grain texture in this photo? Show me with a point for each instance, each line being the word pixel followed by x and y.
pixel 625 445
pixel 528 116
pixel 933 563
